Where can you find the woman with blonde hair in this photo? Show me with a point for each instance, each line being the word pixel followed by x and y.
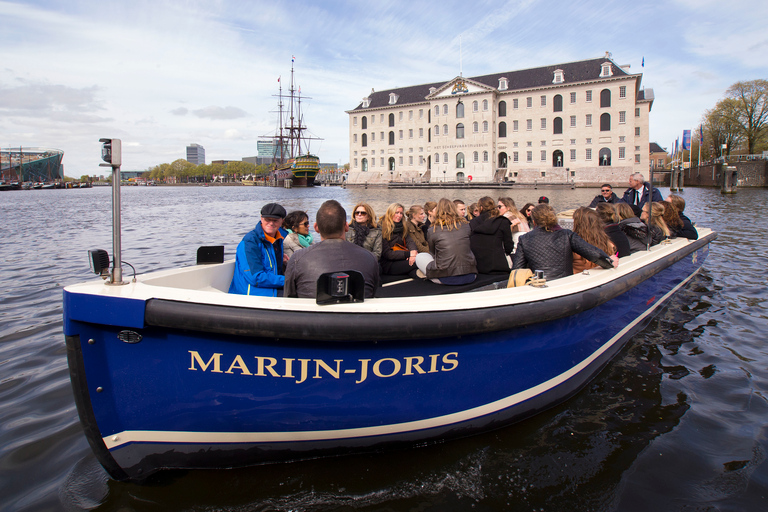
pixel 659 229
pixel 415 216
pixel 398 254
pixel 587 224
pixel 363 230
pixel 451 261
pixel 517 220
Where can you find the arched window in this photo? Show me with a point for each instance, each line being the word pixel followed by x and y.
pixel 605 122
pixel 475 157
pixel 365 165
pixel 460 161
pixel 365 139
pixel 445 110
pixel 460 177
pixel 485 126
pixel 474 106
pixel 391 163
pixel 460 131
pixel 557 126
pixel 445 157
pixel 502 160
pixel 557 103
pixel 502 129
pixel 437 158
pixel 459 110
pixel 605 157
pixel 437 110
pixel 605 98
pixel 391 138
pixel 475 127
pixel 502 109
pixel 437 130
pixel 557 158
pixel 391 119
pixel 485 105
pixel 445 129
pixel 365 122
pixel 485 156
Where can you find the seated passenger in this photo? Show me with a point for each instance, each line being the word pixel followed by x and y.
pixel 526 211
pixel 607 195
pixel 607 214
pixel 332 254
pixel 297 225
pixel 671 218
pixel 363 230
pixel 687 231
pixel 636 196
pixel 259 259
pixel 430 208
pixel 517 220
pixel 551 250
pixel 398 255
pixel 412 227
pixel 461 208
pixel 451 260
pixel 473 211
pixel 633 227
pixel 658 228
pixel 587 224
pixel 491 239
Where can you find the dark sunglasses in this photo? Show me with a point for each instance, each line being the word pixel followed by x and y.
pixel 606 190
pixel 361 213
pixel 305 223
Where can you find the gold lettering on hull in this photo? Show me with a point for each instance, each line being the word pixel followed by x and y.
pixel 302 369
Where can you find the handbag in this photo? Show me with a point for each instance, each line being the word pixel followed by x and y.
pixel 399 247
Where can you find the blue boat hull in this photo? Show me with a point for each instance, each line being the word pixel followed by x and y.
pixel 197 394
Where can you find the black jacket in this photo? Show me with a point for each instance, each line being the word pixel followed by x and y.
pixel 687 231
pixel 552 252
pixel 600 199
pixel 619 239
pixel 491 241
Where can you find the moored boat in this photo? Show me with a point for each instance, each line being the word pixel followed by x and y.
pixel 171 371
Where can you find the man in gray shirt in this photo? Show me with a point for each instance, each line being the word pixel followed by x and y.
pixel 332 254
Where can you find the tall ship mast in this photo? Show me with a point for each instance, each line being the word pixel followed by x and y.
pixel 292 159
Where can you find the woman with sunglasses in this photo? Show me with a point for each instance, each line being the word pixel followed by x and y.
pixel 363 230
pixel 398 253
pixel 297 225
pixel 526 211
pixel 507 208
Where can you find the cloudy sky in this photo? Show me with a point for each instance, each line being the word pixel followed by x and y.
pixel 165 73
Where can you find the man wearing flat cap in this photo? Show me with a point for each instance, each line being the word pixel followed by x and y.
pixel 259 261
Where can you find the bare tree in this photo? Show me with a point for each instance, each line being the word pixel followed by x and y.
pixel 750 110
pixel 721 127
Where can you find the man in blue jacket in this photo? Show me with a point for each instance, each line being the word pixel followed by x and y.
pixel 259 260
pixel 637 193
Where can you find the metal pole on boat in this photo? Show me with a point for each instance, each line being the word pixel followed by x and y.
pixel 111 152
pixel 648 238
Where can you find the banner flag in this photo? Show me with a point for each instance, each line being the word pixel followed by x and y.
pixel 686 140
pixel 701 134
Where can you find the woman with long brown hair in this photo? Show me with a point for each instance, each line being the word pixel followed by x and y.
pixel 450 260
pixel 363 230
pixel 587 224
pixel 516 219
pixel 659 229
pixel 491 239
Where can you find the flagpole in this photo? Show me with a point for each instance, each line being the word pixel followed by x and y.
pixel 701 141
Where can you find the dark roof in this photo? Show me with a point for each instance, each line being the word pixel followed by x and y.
pixel 655 148
pixel 573 72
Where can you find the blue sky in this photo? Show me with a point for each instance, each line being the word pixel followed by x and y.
pixel 163 74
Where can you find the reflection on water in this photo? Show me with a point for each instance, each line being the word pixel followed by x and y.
pixel 677 418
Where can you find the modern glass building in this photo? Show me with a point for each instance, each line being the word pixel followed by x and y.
pixel 196 154
pixel 24 164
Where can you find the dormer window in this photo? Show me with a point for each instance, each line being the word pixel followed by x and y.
pixel 392 98
pixel 366 102
pixel 503 84
pixel 432 90
pixel 559 77
pixel 605 70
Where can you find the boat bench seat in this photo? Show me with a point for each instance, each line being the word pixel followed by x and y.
pixel 407 287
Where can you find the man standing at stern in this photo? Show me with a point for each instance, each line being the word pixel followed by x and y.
pixel 259 261
pixel 332 254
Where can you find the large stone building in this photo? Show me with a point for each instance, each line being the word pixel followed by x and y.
pixel 581 122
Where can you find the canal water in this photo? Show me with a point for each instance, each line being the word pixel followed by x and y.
pixel 677 421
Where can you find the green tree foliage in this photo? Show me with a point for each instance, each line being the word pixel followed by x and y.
pixel 721 127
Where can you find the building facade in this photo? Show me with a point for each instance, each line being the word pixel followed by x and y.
pixel 196 154
pixel 582 122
